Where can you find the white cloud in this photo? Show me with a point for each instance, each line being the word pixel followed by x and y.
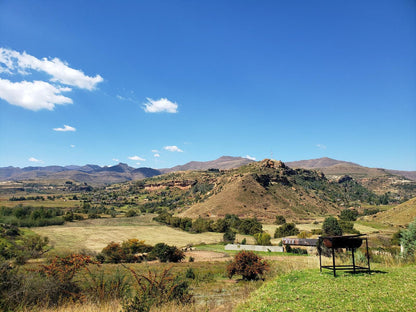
pixel 159 106
pixel 156 155
pixel 155 151
pixel 250 157
pixel 115 159
pixel 33 159
pixel 137 163
pixel 173 148
pixel 34 95
pixel 136 158
pixel 321 146
pixel 65 129
pixel 60 71
pixel 72 145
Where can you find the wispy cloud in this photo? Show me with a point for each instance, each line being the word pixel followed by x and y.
pixel 321 146
pixel 173 148
pixel 159 106
pixel 157 155
pixel 115 159
pixel 136 158
pixel 36 95
pixel 66 128
pixel 60 71
pixel 72 145
pixel 33 159
pixel 250 157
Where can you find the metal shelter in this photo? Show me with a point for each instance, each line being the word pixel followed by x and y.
pixel 350 242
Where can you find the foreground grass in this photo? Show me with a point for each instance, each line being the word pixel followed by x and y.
pixel 310 290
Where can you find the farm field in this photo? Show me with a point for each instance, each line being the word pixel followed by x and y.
pixel 95 234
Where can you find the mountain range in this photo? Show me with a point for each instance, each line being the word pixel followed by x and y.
pixel 94 174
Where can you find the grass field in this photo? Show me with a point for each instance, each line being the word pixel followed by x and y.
pixel 310 290
pixel 95 234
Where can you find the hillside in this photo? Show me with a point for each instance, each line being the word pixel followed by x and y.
pixel 224 162
pixel 399 184
pixel 401 215
pixel 259 189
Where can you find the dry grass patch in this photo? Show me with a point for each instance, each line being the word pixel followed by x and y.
pixel 96 234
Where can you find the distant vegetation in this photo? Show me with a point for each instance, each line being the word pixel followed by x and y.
pixel 28 216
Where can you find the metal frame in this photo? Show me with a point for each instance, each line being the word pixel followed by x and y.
pixel 355 268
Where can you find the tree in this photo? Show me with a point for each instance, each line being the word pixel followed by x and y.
pixel 287 229
pixel 249 265
pixel 250 226
pixel 349 215
pixel 408 240
pixel 263 239
pixel 229 236
pixel 280 220
pixel 167 253
pixel 331 227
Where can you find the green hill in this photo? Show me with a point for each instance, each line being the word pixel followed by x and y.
pixel 260 189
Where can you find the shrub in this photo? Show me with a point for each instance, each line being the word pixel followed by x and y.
pixel 395 239
pixel 348 227
pixel 155 290
pixel 190 273
pixel 229 236
pixel 131 213
pixel 280 220
pixel 249 265
pixel 62 271
pixel 287 229
pixel 166 253
pixel 126 252
pixel 304 234
pixel 331 227
pixel 263 239
pixel 349 215
pixel 250 226
pixel 408 241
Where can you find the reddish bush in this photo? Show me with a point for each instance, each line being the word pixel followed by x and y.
pixel 249 265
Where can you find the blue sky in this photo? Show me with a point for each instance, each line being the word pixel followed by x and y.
pixel 160 83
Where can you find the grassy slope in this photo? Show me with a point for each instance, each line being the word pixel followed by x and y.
pixel 309 290
pixel 400 215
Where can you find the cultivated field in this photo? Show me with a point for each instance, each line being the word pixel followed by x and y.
pixel 95 234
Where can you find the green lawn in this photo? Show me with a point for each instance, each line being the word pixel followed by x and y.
pixel 310 290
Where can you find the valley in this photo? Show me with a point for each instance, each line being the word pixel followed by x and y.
pixel 85 218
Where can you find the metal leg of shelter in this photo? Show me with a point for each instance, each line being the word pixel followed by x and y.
pixel 353 261
pixel 368 256
pixel 320 261
pixel 333 261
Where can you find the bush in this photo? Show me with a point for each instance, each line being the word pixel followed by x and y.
pixel 331 227
pixel 348 227
pixel 280 220
pixel 249 265
pixel 155 290
pixel 263 239
pixel 408 241
pixel 395 239
pixel 166 253
pixel 229 236
pixel 131 213
pixel 287 229
pixel 349 215
pixel 250 226
pixel 126 252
